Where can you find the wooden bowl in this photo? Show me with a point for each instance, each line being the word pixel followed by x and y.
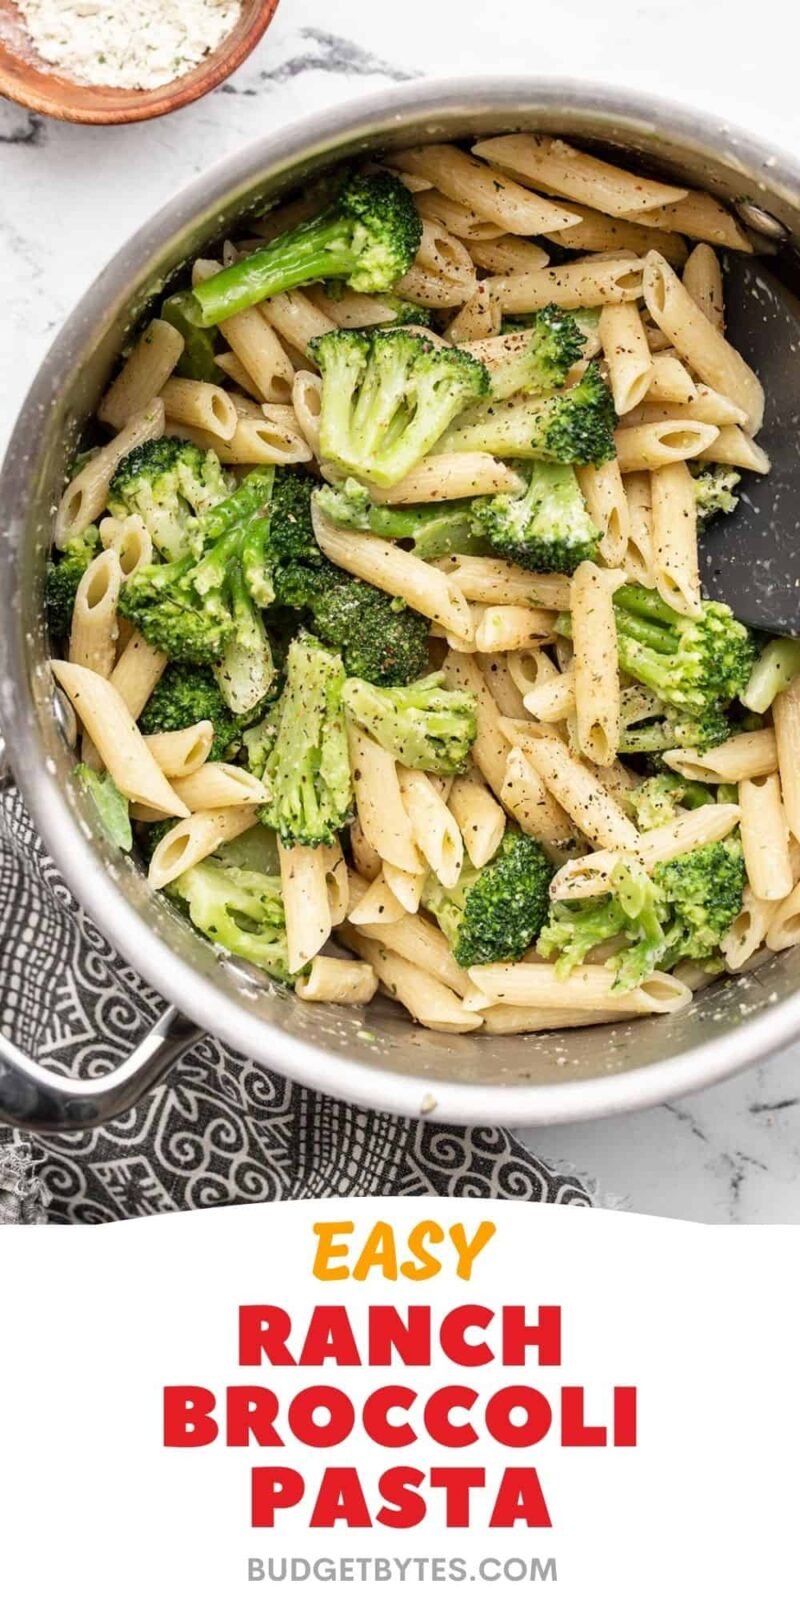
pixel 34 83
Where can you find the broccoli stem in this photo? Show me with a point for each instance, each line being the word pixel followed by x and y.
pixel 198 359
pixel 774 670
pixel 319 249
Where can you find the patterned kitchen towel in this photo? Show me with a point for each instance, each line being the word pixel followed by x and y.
pixel 221 1129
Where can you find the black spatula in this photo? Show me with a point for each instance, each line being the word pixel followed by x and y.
pixel 751 559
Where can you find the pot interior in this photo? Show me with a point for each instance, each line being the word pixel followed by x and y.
pixel 311 1041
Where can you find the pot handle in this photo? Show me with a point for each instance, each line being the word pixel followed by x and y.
pixel 41 1101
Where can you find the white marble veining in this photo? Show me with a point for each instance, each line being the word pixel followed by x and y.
pixel 70 196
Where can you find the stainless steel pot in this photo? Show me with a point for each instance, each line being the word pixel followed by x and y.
pixel 381 1059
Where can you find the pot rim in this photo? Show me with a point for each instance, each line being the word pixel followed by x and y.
pixel 168 973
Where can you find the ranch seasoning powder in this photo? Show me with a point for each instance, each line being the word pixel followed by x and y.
pixel 127 44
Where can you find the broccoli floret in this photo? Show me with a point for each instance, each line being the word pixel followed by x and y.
pixel 195 610
pixel 423 725
pixel 777 665
pixel 674 730
pixel 186 695
pixel 378 637
pixel 199 344
pixel 112 806
pixel 434 530
pixel 714 488
pixel 631 911
pixel 680 913
pixel 703 892
pixel 308 766
pixel 369 237
pixel 697 664
pixel 405 312
pixel 495 914
pixel 656 801
pixel 574 426
pixel 387 397
pixel 545 528
pixel 540 356
pixel 170 484
pixel 65 569
pixel 240 910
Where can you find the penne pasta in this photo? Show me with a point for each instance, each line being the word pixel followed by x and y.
pixel 440 252
pixel 305 902
pixel 553 699
pixel 427 999
pixel 765 837
pixel 433 206
pixel 588 988
pixel 196 838
pixel 512 628
pixel 93 635
pixel 627 353
pixel 490 749
pixel 397 572
pixel 670 384
pixel 591 875
pixel 137 672
pixel 379 802
pixel 501 583
pixel 783 931
pixel 451 476
pixel 702 278
pixel 480 819
pixel 217 784
pixel 406 887
pixel 483 190
pixel 745 755
pixel 416 939
pixel 238 374
pixel 180 753
pixel 733 448
pixel 659 444
pixel 338 983
pixel 597 231
pixel 707 406
pixel 700 344
pixel 527 799
pixel 298 318
pixel 433 289
pixel 367 860
pixel 111 728
pixel 85 495
pixel 129 538
pixel 375 904
pixel 748 930
pixel 478 318
pixel 675 559
pixel 560 168
pixel 578 792
pixel 603 490
pixel 595 671
pixel 786 719
pixel 504 691
pixel 508 254
pixel 272 439
pixel 698 216
pixel 433 827
pixel 637 559
pixel 154 356
pixel 574 285
pixel 200 405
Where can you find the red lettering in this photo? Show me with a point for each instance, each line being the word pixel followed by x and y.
pixel 340 1420
pixel 390 1334
pixel 251 1411
pixel 520 1435
pixel 273 1489
pixel 187 1417
pixel 574 1430
pixel 329 1338
pixel 438 1421
pixel 375 1417
pixel 263 1331
pixel 340 1499
pixel 457 1483
pixel 404 1508
pixel 453 1336
pixel 520 1499
pixel 625 1417
pixel 519 1334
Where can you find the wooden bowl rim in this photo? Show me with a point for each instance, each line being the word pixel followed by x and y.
pixel 131 105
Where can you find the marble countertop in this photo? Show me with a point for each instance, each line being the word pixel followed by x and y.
pixel 71 196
